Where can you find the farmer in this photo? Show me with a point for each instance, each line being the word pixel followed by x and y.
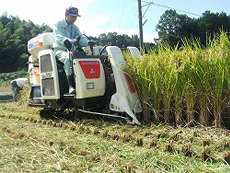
pixel 66 30
pixel 17 85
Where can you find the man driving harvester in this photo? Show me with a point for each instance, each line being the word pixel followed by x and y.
pixel 66 30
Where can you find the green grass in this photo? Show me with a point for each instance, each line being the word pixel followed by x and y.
pixel 34 145
pixel 6 78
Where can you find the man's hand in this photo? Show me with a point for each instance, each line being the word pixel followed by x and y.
pixel 75 42
pixel 91 43
pixel 68 44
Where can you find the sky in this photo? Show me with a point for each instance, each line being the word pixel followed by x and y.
pixel 103 16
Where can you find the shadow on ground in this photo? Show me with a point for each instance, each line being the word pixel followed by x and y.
pixel 6 97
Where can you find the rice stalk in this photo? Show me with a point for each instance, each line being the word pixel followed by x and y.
pixel 194 76
pixel 181 81
pixel 168 79
pixel 220 64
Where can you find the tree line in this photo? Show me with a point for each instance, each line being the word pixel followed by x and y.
pixel 15 33
pixel 172 28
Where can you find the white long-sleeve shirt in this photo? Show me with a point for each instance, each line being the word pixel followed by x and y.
pixel 21 82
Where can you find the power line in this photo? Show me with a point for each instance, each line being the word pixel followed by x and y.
pixel 164 6
pixel 121 16
pixel 134 17
pixel 113 14
pixel 117 5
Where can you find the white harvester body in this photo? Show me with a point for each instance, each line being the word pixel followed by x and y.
pixel 95 84
pixel 89 77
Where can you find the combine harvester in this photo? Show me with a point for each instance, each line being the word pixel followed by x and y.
pixel 102 86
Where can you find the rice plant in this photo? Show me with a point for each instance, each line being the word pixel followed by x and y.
pixel 186 84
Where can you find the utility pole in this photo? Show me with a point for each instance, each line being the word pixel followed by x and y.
pixel 140 24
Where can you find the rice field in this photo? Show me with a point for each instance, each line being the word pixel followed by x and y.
pixel 31 144
pixel 185 86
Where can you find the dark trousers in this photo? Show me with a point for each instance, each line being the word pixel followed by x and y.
pixel 15 90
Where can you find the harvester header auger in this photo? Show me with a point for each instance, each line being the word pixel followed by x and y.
pixel 102 86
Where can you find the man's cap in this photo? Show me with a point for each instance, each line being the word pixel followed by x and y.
pixel 73 11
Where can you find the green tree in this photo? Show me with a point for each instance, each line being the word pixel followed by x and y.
pixel 211 23
pixel 172 27
pixel 114 39
pixel 14 35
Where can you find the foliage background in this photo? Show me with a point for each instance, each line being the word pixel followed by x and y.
pixel 15 33
pixel 172 28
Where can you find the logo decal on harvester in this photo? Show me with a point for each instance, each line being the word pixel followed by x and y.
pixel 91 69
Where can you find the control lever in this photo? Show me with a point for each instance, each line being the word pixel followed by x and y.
pixel 91 44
